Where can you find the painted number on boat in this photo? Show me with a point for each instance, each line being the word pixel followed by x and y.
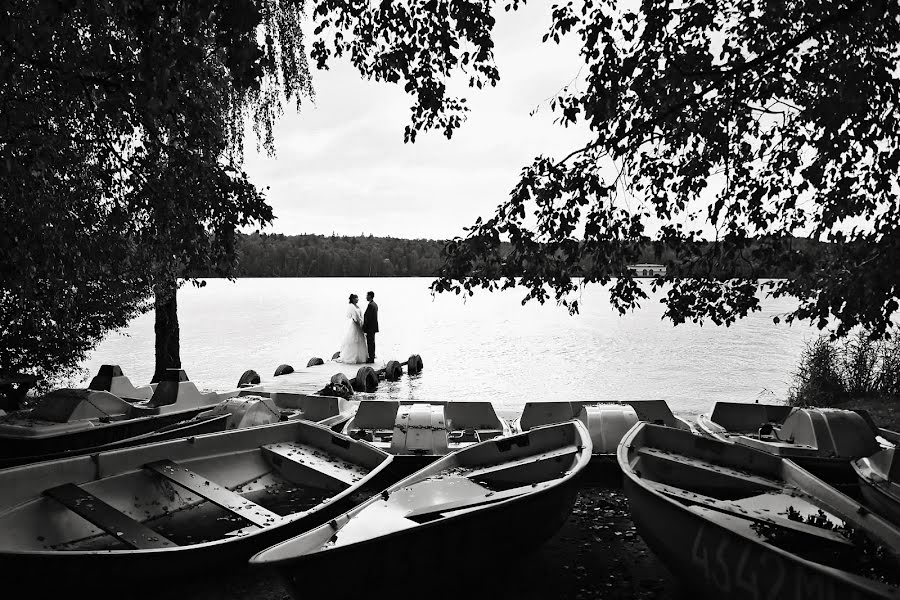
pixel 737 570
pixel 744 571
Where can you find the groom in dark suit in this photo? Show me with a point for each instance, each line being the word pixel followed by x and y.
pixel 370 325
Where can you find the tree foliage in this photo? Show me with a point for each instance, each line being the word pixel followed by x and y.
pixel 720 130
pixel 121 129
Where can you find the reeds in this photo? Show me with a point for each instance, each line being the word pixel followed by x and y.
pixel 831 372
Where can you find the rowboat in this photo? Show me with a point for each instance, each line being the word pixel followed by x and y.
pixel 492 499
pixel 821 440
pixel 607 422
pixel 181 429
pixel 247 409
pixel 175 508
pixel 879 482
pixel 421 431
pixel 739 523
pixel 73 419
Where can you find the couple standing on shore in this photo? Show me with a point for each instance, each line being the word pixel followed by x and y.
pixel 359 343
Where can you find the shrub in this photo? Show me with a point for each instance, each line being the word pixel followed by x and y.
pixel 817 381
pixel 857 366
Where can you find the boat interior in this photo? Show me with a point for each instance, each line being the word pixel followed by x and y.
pixel 180 493
pixel 883 467
pixel 68 410
pixel 251 408
pixel 784 430
pixel 425 427
pixel 466 481
pixel 741 490
pixel 738 417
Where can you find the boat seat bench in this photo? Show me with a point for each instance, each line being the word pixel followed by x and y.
pixel 557 454
pixel 701 465
pixel 750 514
pixel 111 520
pixel 309 458
pixel 203 487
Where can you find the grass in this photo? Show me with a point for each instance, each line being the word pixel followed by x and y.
pixel 856 372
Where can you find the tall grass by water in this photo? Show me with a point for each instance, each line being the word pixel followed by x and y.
pixel 832 372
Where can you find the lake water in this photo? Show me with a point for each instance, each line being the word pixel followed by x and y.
pixel 488 347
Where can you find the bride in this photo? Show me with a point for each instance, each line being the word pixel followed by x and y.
pixel 353 348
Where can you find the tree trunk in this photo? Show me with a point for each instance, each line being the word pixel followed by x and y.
pixel 168 351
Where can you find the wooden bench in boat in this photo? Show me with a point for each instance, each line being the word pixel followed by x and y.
pixel 313 462
pixel 111 520
pixel 701 465
pixel 203 487
pixel 748 512
pixel 559 453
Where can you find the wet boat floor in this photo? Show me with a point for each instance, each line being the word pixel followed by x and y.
pixel 204 521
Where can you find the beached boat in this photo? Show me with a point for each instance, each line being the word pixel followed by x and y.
pixel 422 431
pixel 879 482
pixel 187 506
pixel 739 523
pixel 821 440
pixel 252 408
pixel 177 430
pixel 247 409
pixel 72 419
pixel 493 499
pixel 607 422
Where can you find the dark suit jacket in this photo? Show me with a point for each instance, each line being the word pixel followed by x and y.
pixel 370 319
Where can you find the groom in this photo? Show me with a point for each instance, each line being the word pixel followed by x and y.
pixel 370 325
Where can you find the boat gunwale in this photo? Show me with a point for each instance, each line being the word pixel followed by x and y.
pixel 101 425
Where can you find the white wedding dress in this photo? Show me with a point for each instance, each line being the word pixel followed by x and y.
pixel 353 348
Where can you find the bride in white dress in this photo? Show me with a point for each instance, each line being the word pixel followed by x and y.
pixel 353 348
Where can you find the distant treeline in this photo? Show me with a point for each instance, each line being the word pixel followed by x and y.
pixel 277 255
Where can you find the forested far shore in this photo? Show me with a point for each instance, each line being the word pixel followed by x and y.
pixel 311 255
pixel 308 255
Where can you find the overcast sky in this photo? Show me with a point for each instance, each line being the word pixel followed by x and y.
pixel 342 166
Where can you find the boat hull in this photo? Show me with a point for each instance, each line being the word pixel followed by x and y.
pixel 717 562
pixel 20 448
pixel 486 538
pixel 882 502
pixel 171 432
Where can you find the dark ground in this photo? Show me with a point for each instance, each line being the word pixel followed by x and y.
pixel 597 554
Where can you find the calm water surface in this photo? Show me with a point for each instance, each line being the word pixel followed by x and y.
pixel 486 347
